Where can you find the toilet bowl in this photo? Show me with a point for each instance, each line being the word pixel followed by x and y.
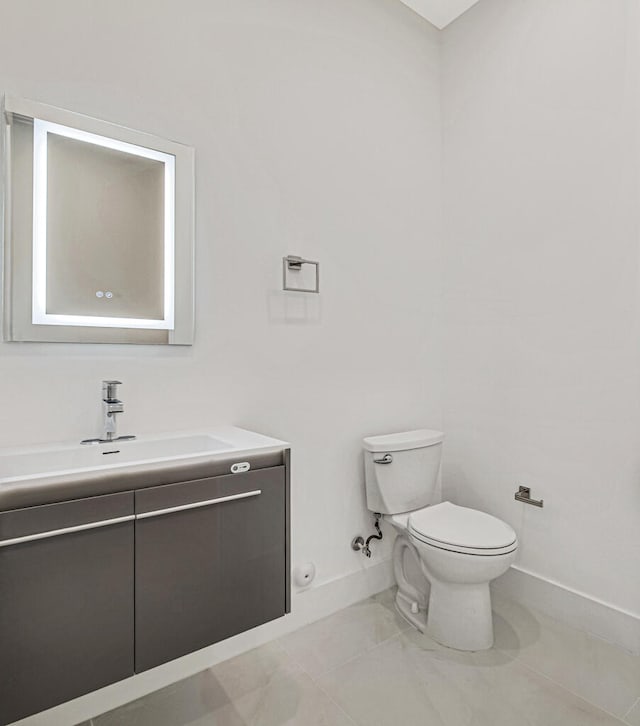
pixel 445 555
pixel 461 550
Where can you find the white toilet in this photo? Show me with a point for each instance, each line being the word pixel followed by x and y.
pixel 445 556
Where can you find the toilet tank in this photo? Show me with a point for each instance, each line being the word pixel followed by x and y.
pixel 401 470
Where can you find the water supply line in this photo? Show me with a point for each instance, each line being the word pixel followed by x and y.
pixel 358 543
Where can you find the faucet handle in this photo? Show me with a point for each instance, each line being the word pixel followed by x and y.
pixel 110 390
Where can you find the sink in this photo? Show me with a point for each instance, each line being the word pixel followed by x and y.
pixel 77 458
pixel 56 472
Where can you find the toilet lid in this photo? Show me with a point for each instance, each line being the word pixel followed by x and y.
pixel 460 528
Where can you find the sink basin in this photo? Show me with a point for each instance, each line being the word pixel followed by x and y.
pixel 56 472
pixel 73 459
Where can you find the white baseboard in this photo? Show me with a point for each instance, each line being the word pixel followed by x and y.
pixel 578 609
pixel 306 607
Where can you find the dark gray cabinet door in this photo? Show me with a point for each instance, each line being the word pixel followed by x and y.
pixel 210 561
pixel 66 601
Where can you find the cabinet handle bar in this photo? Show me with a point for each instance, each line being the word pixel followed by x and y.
pixel 120 520
pixel 195 505
pixel 65 530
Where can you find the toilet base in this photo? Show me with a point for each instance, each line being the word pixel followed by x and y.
pixel 411 598
pixel 459 616
pixel 454 612
pixel 406 610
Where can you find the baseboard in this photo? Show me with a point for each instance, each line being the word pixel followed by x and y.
pixel 306 607
pixel 576 608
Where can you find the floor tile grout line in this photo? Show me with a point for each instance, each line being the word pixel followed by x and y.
pixel 402 630
pixel 619 719
pixel 530 667
pixel 315 685
pixel 633 705
pixel 344 662
pixel 569 690
pixel 317 677
pixel 336 704
pixel 353 657
pixel 304 672
pixel 564 623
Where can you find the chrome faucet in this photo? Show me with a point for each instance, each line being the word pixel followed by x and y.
pixel 111 405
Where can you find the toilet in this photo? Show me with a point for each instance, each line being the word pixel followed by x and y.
pixel 445 555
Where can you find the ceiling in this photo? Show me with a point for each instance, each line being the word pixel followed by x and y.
pixel 440 12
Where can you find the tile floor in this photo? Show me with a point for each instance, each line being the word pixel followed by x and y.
pixel 364 666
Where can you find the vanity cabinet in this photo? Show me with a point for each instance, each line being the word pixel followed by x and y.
pixel 210 561
pixel 66 601
pixel 95 590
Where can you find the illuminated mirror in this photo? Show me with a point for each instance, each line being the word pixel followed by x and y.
pixel 98 230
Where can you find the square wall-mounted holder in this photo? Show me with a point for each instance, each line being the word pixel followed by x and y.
pixel 292 265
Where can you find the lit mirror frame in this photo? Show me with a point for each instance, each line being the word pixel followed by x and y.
pixel 41 131
pixel 179 242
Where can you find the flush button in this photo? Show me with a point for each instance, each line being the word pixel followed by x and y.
pixel 240 467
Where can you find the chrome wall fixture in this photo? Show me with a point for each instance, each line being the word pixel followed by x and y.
pixel 293 263
pixel 524 495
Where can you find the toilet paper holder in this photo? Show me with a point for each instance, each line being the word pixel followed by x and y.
pixel 524 495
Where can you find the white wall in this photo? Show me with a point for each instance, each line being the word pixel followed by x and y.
pixel 541 119
pixel 317 130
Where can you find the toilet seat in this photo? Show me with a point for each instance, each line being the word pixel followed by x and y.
pixel 462 530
